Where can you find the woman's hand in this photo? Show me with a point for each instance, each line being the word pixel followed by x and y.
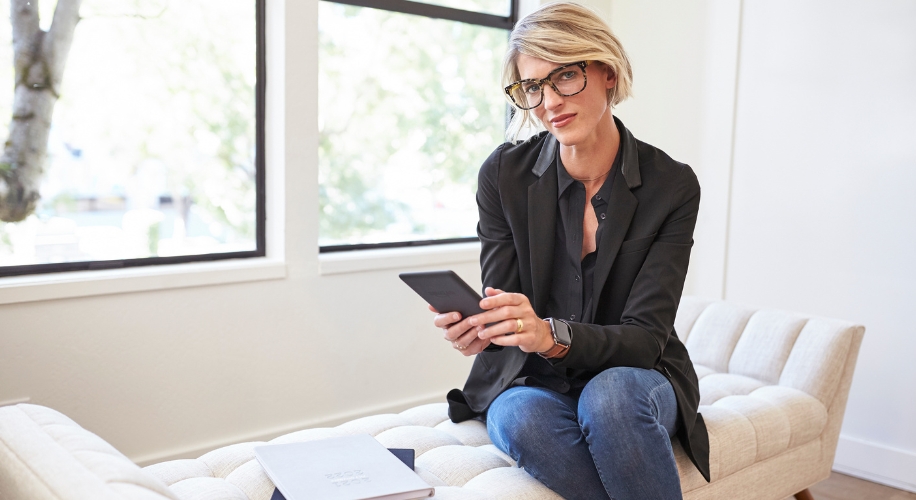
pixel 460 333
pixel 509 311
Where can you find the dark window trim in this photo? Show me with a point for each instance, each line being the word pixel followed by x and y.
pixel 440 12
pixel 260 208
pixel 436 12
pixel 395 244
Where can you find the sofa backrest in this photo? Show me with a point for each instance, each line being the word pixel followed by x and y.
pixel 774 347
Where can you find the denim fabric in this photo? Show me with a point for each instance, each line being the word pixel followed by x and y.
pixel 611 440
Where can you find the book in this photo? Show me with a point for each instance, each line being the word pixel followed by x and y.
pixel 406 455
pixel 343 468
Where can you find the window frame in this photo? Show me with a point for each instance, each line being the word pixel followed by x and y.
pixel 435 12
pixel 260 189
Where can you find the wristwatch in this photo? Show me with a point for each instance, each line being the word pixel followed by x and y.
pixel 562 338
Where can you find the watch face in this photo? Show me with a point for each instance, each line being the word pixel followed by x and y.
pixel 561 332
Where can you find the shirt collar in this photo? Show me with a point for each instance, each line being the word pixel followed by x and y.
pixel 564 180
pixel 629 161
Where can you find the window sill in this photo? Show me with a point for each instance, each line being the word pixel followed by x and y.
pixel 138 279
pixel 393 258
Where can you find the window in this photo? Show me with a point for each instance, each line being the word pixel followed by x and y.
pixel 155 148
pixel 410 105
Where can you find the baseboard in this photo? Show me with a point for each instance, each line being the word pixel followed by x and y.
pixel 876 462
pixel 332 420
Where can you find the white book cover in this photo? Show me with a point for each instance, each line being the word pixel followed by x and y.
pixel 343 468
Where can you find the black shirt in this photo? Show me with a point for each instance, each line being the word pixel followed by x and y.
pixel 571 284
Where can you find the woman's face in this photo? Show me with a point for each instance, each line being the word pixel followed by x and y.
pixel 576 120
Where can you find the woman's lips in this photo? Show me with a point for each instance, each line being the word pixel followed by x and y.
pixel 562 120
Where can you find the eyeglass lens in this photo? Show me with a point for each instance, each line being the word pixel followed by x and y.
pixel 568 81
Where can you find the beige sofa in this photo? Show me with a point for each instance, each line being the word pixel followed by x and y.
pixel 774 386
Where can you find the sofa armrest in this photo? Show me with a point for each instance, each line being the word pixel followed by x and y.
pixel 46 456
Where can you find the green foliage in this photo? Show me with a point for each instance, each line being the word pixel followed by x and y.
pixel 157 101
pixel 402 119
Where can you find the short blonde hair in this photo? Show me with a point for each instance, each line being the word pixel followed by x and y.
pixel 563 33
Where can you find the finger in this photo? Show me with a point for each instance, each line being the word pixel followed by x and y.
pixel 504 299
pixel 455 331
pixel 446 320
pixel 500 314
pixel 490 291
pixel 431 308
pixel 467 338
pixel 475 347
pixel 503 328
pixel 520 340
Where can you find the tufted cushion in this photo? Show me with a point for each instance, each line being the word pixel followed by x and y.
pixel 688 311
pixel 715 334
pixel 458 459
pixel 45 455
pixel 765 344
pixel 818 357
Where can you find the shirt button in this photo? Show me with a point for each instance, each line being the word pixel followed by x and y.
pixel 603 216
pixel 572 317
pixel 577 277
pixel 598 197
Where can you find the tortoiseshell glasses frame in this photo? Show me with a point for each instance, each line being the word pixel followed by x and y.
pixel 523 92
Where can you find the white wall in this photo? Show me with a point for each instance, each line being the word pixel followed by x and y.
pixel 823 217
pixel 805 111
pixel 174 372
pixel 684 57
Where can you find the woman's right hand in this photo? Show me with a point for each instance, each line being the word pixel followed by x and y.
pixel 460 333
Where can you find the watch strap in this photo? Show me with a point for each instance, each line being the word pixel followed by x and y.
pixel 558 346
pixel 554 351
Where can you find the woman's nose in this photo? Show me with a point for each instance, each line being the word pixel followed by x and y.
pixel 551 98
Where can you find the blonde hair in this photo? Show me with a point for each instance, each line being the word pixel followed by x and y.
pixel 563 33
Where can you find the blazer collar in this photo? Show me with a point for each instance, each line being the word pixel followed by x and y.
pixel 629 161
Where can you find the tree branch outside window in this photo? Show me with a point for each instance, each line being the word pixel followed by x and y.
pixel 39 58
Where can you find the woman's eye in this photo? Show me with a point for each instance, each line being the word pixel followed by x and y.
pixel 531 88
pixel 567 75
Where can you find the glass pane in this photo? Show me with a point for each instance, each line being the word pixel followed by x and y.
pixel 152 143
pixel 497 7
pixel 404 124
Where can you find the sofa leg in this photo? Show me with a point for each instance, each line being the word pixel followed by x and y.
pixel 804 495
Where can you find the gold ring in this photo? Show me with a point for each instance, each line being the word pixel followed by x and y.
pixel 521 325
pixel 459 347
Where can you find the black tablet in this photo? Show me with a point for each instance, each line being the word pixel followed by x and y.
pixel 445 291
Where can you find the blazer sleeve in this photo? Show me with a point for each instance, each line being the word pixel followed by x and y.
pixel 648 315
pixel 498 258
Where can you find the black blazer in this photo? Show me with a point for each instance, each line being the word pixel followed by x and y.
pixel 639 273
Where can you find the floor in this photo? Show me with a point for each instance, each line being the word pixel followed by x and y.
pixel 842 487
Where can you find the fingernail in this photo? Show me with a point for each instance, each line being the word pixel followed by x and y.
pixel 473 321
pixel 455 317
pixel 485 304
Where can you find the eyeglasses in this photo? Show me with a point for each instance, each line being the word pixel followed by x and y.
pixel 567 80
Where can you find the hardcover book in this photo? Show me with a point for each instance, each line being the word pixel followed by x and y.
pixel 345 468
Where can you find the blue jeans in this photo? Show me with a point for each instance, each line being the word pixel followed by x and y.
pixel 612 440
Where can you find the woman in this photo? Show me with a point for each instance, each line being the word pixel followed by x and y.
pixel 585 238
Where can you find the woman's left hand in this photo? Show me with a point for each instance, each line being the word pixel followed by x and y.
pixel 508 311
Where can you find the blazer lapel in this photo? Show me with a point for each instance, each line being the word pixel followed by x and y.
pixel 542 223
pixel 621 207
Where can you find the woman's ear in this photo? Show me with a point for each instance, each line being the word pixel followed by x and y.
pixel 610 77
